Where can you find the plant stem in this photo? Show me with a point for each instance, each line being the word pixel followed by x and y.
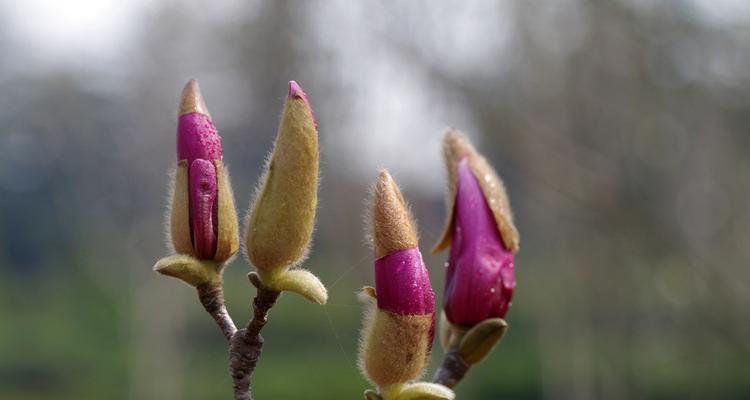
pixel 211 296
pixel 246 344
pixel 452 370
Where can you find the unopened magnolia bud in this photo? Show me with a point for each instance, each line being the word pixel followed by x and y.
pixel 282 217
pixel 480 278
pixel 399 323
pixel 203 219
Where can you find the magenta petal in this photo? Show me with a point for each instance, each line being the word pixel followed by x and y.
pixel 197 138
pixel 473 216
pixel 296 91
pixel 480 278
pixel 203 194
pixel 403 284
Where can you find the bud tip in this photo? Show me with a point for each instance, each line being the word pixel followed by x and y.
pixel 296 91
pixel 392 226
pixel 192 100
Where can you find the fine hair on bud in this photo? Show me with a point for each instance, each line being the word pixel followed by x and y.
pixel 171 176
pixel 179 211
pixel 393 348
pixel 228 240
pixel 390 223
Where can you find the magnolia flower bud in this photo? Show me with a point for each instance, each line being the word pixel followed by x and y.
pixel 480 278
pixel 282 217
pixel 399 323
pixel 203 218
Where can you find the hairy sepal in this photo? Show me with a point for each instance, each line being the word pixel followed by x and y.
pixel 179 215
pixel 298 281
pixel 228 240
pixel 393 348
pixel 425 391
pixel 190 270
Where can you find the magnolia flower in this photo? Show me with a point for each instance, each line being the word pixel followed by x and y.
pixel 399 323
pixel 203 221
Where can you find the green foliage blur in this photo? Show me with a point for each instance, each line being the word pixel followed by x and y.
pixel 620 129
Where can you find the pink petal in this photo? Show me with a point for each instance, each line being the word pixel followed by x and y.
pixel 203 194
pixel 403 284
pixel 295 91
pixel 197 138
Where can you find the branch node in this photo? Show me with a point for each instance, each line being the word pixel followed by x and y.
pixel 246 344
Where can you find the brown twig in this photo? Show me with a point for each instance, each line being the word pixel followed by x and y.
pixel 452 370
pixel 246 344
pixel 211 296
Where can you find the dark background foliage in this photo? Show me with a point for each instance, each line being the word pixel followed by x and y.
pixel 620 128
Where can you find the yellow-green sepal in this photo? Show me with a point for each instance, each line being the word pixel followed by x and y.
pixel 426 391
pixel 190 270
pixel 298 281
pixel 479 341
pixel 416 391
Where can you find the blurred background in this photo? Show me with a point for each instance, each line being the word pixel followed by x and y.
pixel 619 127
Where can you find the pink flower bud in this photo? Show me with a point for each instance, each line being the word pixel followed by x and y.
pixel 480 278
pixel 401 278
pixel 199 144
pixel 399 325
